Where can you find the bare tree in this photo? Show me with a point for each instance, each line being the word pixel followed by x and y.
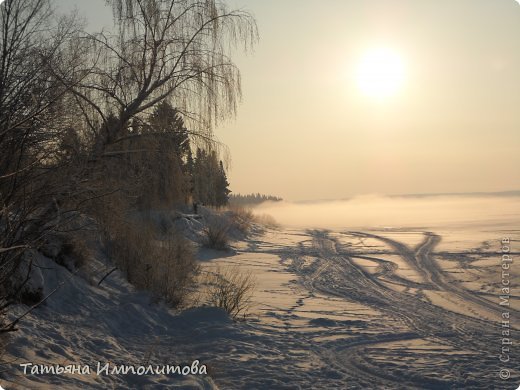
pixel 33 45
pixel 174 50
pixel 74 106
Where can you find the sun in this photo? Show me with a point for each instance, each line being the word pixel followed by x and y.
pixel 380 73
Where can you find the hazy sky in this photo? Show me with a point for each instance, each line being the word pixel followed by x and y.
pixel 306 131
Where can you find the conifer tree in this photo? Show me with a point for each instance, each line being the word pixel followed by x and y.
pixel 222 190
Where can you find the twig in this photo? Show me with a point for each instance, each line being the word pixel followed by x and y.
pixel 106 276
pixel 12 248
pixel 11 327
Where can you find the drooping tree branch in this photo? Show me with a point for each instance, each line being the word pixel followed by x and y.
pixel 166 50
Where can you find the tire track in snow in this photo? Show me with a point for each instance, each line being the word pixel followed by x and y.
pixel 425 320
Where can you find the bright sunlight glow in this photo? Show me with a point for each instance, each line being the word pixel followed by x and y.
pixel 380 73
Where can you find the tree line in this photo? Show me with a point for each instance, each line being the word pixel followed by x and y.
pixel 252 199
pixel 100 124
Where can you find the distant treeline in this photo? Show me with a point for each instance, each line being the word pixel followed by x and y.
pixel 252 199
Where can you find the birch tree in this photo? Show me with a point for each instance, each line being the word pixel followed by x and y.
pixel 165 50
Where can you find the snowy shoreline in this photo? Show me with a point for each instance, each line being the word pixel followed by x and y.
pixel 331 310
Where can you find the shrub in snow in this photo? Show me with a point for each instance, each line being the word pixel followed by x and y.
pixel 216 234
pixel 165 267
pixel 230 289
pixel 28 279
pixel 241 218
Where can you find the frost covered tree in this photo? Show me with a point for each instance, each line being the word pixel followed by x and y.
pixel 164 50
pixel 161 54
pixel 35 44
pixel 82 115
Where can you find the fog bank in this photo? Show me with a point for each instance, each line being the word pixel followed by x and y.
pixel 374 211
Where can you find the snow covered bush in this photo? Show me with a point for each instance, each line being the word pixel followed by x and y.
pixel 241 218
pixel 267 221
pixel 165 267
pixel 244 220
pixel 230 289
pixel 216 234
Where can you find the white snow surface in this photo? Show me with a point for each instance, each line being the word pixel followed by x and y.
pixel 319 320
pixel 83 324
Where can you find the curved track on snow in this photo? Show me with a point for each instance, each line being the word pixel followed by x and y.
pixel 472 339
